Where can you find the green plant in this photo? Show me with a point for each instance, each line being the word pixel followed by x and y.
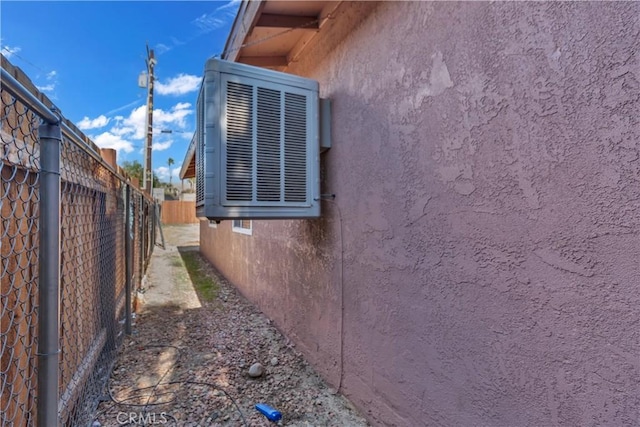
pixel 205 286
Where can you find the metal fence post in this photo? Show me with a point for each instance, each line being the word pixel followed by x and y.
pixel 128 259
pixel 153 228
pixel 50 137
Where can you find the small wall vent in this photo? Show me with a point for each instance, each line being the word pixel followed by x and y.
pixel 257 144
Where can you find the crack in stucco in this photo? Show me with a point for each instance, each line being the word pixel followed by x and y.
pixel 555 260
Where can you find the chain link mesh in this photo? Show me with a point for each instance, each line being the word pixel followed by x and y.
pixel 92 228
pixel 19 197
pixel 92 269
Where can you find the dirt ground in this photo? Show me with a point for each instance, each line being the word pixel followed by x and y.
pixel 187 362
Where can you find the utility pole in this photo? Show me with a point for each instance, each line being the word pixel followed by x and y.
pixel 148 171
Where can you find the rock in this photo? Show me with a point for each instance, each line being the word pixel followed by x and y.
pixel 274 361
pixel 256 370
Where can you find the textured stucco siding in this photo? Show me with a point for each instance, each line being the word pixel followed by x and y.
pixel 480 265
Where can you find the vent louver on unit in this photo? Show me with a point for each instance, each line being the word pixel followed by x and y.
pixel 257 146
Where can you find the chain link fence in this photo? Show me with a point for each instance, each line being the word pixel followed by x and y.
pixel 80 295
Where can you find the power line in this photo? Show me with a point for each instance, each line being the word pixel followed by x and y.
pixel 13 53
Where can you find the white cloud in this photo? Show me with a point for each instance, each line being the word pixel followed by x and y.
pixel 47 88
pixel 126 133
pixel 218 18
pixel 133 125
pixel 133 128
pixel 109 140
pixel 52 80
pixel 9 51
pixel 176 117
pixel 205 23
pixel 176 42
pixel 162 48
pixel 98 122
pixel 209 22
pixel 231 5
pixel 181 105
pixel 187 135
pixel 179 85
pixel 161 146
pixel 123 107
pixel 163 172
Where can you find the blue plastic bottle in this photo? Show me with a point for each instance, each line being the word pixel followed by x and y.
pixel 269 412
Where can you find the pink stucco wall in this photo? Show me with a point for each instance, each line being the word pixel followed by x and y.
pixel 480 264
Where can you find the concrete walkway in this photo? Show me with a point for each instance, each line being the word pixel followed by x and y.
pixel 167 280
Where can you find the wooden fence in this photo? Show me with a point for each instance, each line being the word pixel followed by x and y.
pixel 179 212
pixel 92 284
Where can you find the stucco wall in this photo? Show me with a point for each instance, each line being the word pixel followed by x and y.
pixel 480 264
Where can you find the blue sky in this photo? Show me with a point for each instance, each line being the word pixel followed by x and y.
pixel 87 55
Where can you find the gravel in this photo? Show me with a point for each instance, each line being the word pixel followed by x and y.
pixel 190 362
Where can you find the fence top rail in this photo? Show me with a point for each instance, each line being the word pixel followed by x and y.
pixel 15 88
pixel 77 140
pixel 52 115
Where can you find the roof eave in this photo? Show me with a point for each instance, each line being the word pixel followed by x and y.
pixel 248 13
pixel 188 165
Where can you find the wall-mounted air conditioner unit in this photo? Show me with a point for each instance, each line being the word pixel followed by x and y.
pixel 257 144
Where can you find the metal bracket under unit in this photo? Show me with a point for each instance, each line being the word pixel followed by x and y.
pixel 325 125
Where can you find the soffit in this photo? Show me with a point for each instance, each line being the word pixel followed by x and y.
pixel 271 34
pixel 268 34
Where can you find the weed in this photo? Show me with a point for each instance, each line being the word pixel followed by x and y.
pixel 205 286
